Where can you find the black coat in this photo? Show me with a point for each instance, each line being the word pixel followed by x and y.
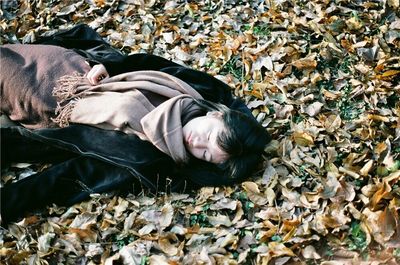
pixel 88 160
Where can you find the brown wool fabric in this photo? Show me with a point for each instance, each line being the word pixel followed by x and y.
pixel 28 74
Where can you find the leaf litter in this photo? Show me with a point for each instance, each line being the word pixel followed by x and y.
pixel 323 77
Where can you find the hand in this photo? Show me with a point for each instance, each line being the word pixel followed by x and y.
pixel 97 73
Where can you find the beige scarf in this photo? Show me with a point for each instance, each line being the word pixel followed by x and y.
pixel 119 103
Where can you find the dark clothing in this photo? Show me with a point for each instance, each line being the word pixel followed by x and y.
pixel 90 160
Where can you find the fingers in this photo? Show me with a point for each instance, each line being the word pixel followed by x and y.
pixel 97 73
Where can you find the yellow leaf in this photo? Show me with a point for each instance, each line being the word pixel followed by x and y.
pixel 376 117
pixel 388 75
pixel 229 240
pixel 265 235
pixel 306 63
pixel 303 139
pixel 288 225
pixel 255 92
pixel 394 3
pixel 239 213
pixel 290 234
pixel 250 186
pixel 383 190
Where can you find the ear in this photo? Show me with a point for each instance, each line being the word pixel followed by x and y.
pixel 216 114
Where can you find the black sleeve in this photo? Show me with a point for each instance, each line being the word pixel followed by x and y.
pixel 138 62
pixel 85 41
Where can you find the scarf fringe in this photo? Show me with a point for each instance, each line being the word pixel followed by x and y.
pixel 63 113
pixel 67 85
pixel 66 90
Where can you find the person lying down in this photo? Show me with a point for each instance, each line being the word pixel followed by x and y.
pixel 45 86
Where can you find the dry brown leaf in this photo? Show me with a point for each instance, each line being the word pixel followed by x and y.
pixel 254 193
pixel 167 213
pixel 277 249
pixel 220 220
pixel 383 189
pixel 381 224
pixel 330 95
pixel 303 138
pixel 332 123
pixel 85 235
pixel 305 63
pixel 167 245
pixel 158 260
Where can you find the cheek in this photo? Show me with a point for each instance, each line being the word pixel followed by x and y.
pixel 196 152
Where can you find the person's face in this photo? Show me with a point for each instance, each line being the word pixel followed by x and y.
pixel 200 137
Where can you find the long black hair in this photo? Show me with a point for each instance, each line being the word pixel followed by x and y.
pixel 243 139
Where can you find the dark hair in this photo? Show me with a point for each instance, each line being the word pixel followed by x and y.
pixel 244 140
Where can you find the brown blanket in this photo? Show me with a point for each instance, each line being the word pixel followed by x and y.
pixel 28 74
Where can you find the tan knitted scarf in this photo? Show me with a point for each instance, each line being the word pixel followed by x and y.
pixel 119 103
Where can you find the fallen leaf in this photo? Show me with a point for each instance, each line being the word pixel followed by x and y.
pixel 305 63
pixel 254 193
pixel 309 252
pixel 303 138
pixel 314 108
pixel 169 244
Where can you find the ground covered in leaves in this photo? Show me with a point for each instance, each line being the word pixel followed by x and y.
pixel 322 77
